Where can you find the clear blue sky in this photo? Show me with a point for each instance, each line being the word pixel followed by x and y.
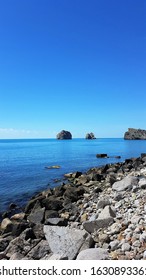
pixel 77 65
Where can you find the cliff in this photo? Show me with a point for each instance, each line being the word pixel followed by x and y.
pixel 135 134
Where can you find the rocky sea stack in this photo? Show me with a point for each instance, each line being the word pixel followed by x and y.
pixel 90 136
pixel 64 135
pixel 135 134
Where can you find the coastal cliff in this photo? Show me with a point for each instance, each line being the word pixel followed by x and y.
pixel 135 134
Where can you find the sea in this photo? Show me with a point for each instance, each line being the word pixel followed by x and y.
pixel 23 163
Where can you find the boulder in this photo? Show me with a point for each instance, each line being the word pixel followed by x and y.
pixel 6 225
pixel 105 218
pixel 93 254
pixel 127 183
pixel 64 135
pixel 39 251
pixel 90 136
pixel 65 241
pixel 52 203
pixel 56 222
pixel 36 216
pixel 135 134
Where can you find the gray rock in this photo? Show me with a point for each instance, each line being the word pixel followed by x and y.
pixel 114 245
pixel 142 183
pixel 105 218
pixel 115 228
pixel 92 226
pixel 4 242
pixel 64 134
pixel 6 225
pixel 55 257
pixel 16 256
pixel 56 222
pixel 135 134
pixel 90 136
pixel 127 183
pixel 102 203
pixel 106 213
pixel 37 217
pixel 126 247
pixel 38 231
pixel 144 254
pixel 39 251
pixel 65 241
pixel 93 254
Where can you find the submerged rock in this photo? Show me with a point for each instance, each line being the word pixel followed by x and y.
pixel 101 155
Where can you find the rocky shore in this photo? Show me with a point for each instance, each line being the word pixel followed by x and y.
pixel 100 214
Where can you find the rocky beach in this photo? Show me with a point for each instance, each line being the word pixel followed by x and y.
pixel 100 214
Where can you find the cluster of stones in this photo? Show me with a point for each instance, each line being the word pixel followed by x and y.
pixel 135 134
pixel 64 135
pixel 100 214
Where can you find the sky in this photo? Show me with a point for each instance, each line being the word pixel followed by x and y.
pixel 77 65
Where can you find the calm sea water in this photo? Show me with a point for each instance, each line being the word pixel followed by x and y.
pixel 23 162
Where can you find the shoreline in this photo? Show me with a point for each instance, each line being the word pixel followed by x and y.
pixel 101 212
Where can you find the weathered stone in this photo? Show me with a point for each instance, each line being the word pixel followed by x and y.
pixel 107 212
pixel 102 203
pixel 18 217
pixel 65 241
pixel 135 134
pixel 6 225
pixel 19 227
pixel 38 231
pixel 125 247
pixel 32 203
pixel 39 251
pixel 16 256
pixel 142 183
pixel 92 226
pixel 113 245
pixel 105 218
pixel 74 193
pixel 56 222
pixel 52 203
pixel 64 134
pixel 90 136
pixel 37 216
pixel 127 183
pixel 51 214
pixel 93 254
pixel 4 242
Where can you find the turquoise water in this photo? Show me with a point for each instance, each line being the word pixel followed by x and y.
pixel 22 162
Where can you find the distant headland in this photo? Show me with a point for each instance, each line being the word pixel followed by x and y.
pixel 135 134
